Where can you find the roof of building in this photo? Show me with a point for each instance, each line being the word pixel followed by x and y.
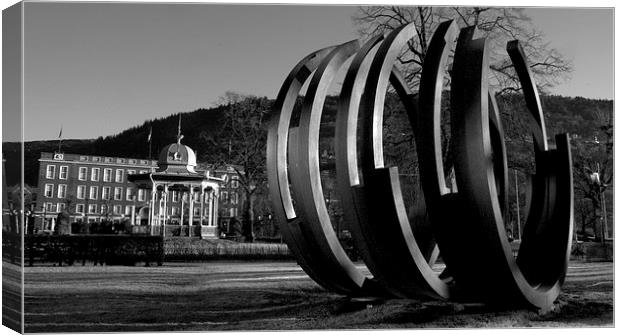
pixel 177 162
pixel 177 158
pixel 96 159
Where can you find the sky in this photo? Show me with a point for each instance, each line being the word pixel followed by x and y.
pixel 95 69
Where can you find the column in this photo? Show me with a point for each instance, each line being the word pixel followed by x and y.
pixel 133 214
pixel 182 195
pixel 191 210
pixel 152 208
pixel 216 205
pixel 202 202
pixel 163 233
pixel 211 223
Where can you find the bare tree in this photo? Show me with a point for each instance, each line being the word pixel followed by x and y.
pixel 498 24
pixel 593 167
pixel 240 143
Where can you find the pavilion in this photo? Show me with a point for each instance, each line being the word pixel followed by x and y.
pixel 183 201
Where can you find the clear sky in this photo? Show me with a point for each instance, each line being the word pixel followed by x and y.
pixel 98 68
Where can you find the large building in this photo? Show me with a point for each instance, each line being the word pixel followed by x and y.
pixel 89 188
pixel 97 188
pixel 230 200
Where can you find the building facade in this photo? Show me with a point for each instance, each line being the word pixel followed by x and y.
pixel 231 199
pixel 97 188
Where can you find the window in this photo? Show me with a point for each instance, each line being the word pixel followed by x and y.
pixel 82 173
pixel 108 160
pixel 81 191
pixel 127 210
pixel 79 208
pixel 132 161
pixel 62 191
pixel 196 211
pixel 234 183
pixel 131 193
pixel 119 176
pixel 176 211
pixel 83 158
pixel 94 174
pixel 128 173
pixel 141 194
pixel 233 198
pixel 232 212
pixel 105 193
pixel 107 175
pixel 143 171
pixel 64 172
pixel 61 207
pixel 104 209
pixel 224 197
pixel 117 209
pixel 96 159
pixel 49 207
pixel 49 190
pixel 175 196
pixel 118 193
pixel 92 209
pixel 50 172
pixel 94 192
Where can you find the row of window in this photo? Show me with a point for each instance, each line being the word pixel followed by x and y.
pixel 50 173
pixel 93 193
pixel 95 173
pixel 111 160
pixel 115 209
pixel 108 174
pixel 130 193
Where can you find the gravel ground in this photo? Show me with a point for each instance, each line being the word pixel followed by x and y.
pixel 270 296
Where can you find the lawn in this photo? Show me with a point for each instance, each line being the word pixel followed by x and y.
pixel 270 296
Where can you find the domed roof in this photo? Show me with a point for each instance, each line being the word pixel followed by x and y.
pixel 177 157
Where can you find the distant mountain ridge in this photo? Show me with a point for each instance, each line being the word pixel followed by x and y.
pixel 563 114
pixel 131 142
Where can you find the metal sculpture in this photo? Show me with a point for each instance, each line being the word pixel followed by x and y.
pixel 308 233
pixel 387 234
pixel 467 225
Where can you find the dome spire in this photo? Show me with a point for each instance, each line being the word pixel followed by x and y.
pixel 179 136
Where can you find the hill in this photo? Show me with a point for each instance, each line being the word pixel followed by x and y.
pixel 129 143
pixel 578 115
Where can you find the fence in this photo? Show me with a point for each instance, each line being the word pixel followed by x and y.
pixel 190 250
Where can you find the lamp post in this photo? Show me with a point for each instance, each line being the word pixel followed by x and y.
pixel 260 225
pixel 518 213
pixel 133 210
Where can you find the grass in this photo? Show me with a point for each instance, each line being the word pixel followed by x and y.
pixel 271 296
